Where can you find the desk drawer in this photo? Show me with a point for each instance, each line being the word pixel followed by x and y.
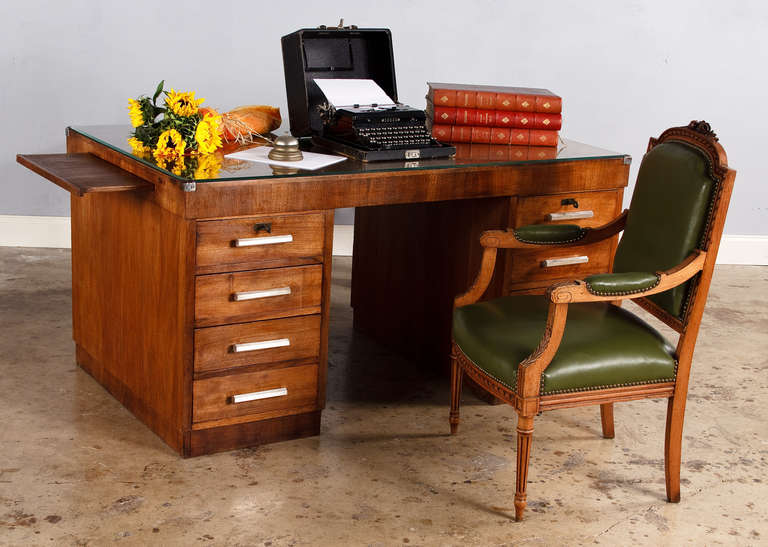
pixel 262 294
pixel 557 263
pixel 270 391
pixel 249 243
pixel 594 209
pixel 218 348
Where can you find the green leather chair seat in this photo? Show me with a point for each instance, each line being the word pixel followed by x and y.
pixel 603 345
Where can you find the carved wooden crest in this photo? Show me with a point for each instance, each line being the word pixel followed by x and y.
pixel 700 135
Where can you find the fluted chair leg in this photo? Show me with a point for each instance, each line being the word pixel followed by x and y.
pixel 606 417
pixel 672 446
pixel 524 434
pixel 456 377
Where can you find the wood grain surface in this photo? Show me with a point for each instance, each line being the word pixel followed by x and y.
pixel 216 250
pixel 213 345
pixel 213 396
pixel 82 173
pixel 214 304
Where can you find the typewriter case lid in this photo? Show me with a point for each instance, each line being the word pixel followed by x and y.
pixel 343 53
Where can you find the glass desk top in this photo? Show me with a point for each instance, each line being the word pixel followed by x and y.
pixel 218 167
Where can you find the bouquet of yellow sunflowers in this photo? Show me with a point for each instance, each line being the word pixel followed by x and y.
pixel 183 129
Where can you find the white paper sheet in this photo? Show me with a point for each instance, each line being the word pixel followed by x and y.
pixel 311 160
pixel 350 92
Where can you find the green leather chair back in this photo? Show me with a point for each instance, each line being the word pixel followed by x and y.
pixel 667 216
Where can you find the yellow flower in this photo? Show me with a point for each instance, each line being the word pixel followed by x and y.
pixel 169 145
pixel 177 167
pixel 207 134
pixel 182 104
pixel 208 166
pixel 134 111
pixel 137 146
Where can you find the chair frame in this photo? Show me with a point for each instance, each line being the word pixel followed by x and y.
pixel 527 399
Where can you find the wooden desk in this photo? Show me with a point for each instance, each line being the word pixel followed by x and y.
pixel 190 295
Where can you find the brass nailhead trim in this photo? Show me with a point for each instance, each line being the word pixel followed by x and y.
pixel 705 232
pixel 607 386
pixel 578 238
pixel 623 293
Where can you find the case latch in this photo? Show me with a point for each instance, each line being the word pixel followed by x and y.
pixel 340 26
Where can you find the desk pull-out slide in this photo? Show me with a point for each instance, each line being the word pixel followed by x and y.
pixel 82 174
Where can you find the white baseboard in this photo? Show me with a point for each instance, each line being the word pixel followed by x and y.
pixel 343 234
pixel 22 231
pixel 34 231
pixel 750 250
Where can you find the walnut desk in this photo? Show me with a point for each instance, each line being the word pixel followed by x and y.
pixel 200 299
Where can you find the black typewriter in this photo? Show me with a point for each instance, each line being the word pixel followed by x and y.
pixel 364 132
pixel 380 133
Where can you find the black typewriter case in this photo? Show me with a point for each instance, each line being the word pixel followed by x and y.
pixel 345 53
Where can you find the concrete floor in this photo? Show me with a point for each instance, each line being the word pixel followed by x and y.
pixel 76 468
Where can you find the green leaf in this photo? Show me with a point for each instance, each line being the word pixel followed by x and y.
pixel 158 91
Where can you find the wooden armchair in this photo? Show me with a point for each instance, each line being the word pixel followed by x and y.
pixel 522 350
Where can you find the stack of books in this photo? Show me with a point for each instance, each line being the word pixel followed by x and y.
pixel 486 114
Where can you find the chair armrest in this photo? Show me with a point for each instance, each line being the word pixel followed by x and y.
pixel 621 286
pixel 550 234
pixel 492 240
pixel 535 235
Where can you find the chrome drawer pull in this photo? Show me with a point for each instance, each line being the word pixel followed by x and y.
pixel 254 295
pixel 566 261
pixel 570 215
pixel 269 240
pixel 266 344
pixel 256 395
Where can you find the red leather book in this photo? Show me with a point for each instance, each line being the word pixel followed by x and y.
pixel 495 118
pixel 494 135
pixel 512 99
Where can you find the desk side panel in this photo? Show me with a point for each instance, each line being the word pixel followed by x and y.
pixel 132 306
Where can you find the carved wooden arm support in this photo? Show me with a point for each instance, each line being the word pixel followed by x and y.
pixel 473 294
pixel 530 370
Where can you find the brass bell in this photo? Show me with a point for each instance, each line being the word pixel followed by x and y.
pixel 283 170
pixel 286 148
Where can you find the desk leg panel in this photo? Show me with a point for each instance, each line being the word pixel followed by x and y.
pixel 409 263
pixel 132 305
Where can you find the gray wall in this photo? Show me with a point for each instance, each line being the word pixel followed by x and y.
pixel 626 69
